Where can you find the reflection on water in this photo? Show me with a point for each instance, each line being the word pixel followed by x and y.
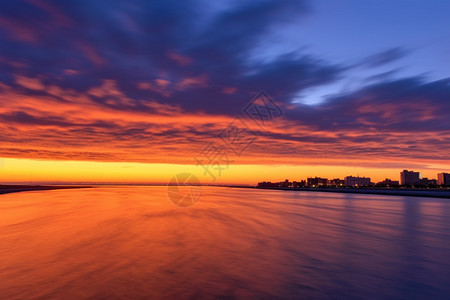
pixel 133 243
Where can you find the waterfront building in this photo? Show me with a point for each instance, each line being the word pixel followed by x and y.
pixel 388 182
pixel 427 182
pixel 357 181
pixel 336 182
pixel 409 177
pixel 268 184
pixel 317 182
pixel 301 183
pixel 443 179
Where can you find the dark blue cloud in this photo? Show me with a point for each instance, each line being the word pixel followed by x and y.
pixel 131 42
pixel 385 57
pixel 76 45
pixel 402 105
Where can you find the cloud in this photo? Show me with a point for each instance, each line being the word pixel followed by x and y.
pixel 78 46
pixel 386 57
pixel 154 81
pixel 180 59
pixel 30 83
pixel 196 81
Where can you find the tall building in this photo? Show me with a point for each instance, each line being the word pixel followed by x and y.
pixel 443 179
pixel 409 177
pixel 357 181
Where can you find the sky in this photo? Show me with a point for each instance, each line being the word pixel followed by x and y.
pixel 139 91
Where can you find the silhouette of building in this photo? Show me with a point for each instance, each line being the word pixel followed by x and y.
pixel 357 181
pixel 301 183
pixel 268 184
pixel 316 182
pixel 286 183
pixel 409 177
pixel 427 182
pixel 388 182
pixel 336 182
pixel 443 179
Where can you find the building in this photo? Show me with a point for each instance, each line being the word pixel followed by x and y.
pixel 387 182
pixel 268 184
pixel 317 181
pixel 301 183
pixel 285 183
pixel 336 182
pixel 357 181
pixel 443 179
pixel 409 177
pixel 427 182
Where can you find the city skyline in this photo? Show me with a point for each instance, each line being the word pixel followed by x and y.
pixel 406 178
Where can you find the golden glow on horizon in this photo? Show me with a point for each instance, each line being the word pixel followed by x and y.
pixel 29 170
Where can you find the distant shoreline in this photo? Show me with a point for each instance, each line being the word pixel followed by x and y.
pixel 6 189
pixel 410 192
pixel 432 193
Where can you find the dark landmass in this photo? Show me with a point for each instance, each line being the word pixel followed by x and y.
pixel 5 189
pixel 412 192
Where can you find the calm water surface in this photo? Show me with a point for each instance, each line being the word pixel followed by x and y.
pixel 133 243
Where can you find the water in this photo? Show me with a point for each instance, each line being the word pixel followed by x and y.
pixel 132 243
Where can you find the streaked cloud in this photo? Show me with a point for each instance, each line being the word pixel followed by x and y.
pixel 155 81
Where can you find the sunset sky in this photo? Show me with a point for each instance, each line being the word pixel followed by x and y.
pixel 136 91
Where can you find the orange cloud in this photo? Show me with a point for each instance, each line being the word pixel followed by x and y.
pixel 162 82
pixel 67 125
pixel 30 83
pixel 159 87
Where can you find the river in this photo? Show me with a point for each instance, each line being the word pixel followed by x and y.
pixel 234 243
